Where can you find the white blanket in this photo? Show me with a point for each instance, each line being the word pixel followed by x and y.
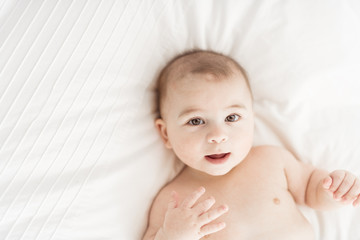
pixel 79 156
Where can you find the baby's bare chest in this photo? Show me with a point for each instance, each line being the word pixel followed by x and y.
pixel 262 211
pixel 260 207
pixel 249 193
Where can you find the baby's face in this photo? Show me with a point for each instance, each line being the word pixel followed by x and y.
pixel 208 123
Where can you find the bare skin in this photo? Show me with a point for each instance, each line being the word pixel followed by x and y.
pixel 253 201
pixel 228 188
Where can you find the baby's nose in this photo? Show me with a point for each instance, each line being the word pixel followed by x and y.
pixel 217 136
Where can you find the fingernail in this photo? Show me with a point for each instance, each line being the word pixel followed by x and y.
pixel 326 185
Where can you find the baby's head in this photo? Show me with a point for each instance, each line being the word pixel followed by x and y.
pixel 205 111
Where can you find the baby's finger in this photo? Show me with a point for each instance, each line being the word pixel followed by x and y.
pixel 356 203
pixel 354 191
pixel 190 200
pixel 212 228
pixel 212 214
pixel 327 182
pixel 204 206
pixel 337 178
pixel 174 199
pixel 345 186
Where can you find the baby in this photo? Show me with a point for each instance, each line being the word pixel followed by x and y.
pixel 207 119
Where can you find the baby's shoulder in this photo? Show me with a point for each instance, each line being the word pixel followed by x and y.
pixel 162 199
pixel 271 154
pixel 268 149
pixel 164 195
pixel 158 209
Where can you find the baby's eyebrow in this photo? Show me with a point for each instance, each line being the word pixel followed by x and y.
pixel 237 106
pixel 190 110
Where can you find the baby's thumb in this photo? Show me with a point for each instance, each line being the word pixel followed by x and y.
pixel 327 182
pixel 174 200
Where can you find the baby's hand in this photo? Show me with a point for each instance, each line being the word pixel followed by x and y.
pixel 343 186
pixel 190 220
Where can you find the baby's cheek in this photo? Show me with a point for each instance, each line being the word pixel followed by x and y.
pixel 242 144
pixel 186 150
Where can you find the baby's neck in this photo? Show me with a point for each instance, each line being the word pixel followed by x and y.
pixel 195 175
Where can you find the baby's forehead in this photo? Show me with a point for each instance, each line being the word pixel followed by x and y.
pixel 199 90
pixel 210 65
pixel 190 79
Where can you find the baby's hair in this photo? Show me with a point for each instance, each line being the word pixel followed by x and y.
pixel 196 62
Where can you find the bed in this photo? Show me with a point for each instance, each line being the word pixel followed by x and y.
pixel 79 155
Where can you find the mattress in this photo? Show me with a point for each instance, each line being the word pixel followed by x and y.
pixel 79 155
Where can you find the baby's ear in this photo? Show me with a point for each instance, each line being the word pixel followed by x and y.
pixel 161 127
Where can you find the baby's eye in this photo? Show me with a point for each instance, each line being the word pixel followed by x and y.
pixel 232 118
pixel 196 121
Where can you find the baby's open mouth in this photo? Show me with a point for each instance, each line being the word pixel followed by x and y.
pixel 217 158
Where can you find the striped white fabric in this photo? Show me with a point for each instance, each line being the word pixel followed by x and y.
pixel 79 156
pixel 69 87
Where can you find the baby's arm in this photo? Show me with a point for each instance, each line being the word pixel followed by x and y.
pixel 328 190
pixel 318 188
pixel 189 219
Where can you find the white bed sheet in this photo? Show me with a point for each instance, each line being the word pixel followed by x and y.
pixel 79 156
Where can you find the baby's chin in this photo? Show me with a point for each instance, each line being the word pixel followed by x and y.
pixel 218 172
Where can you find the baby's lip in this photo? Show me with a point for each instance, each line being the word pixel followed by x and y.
pixel 217 158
